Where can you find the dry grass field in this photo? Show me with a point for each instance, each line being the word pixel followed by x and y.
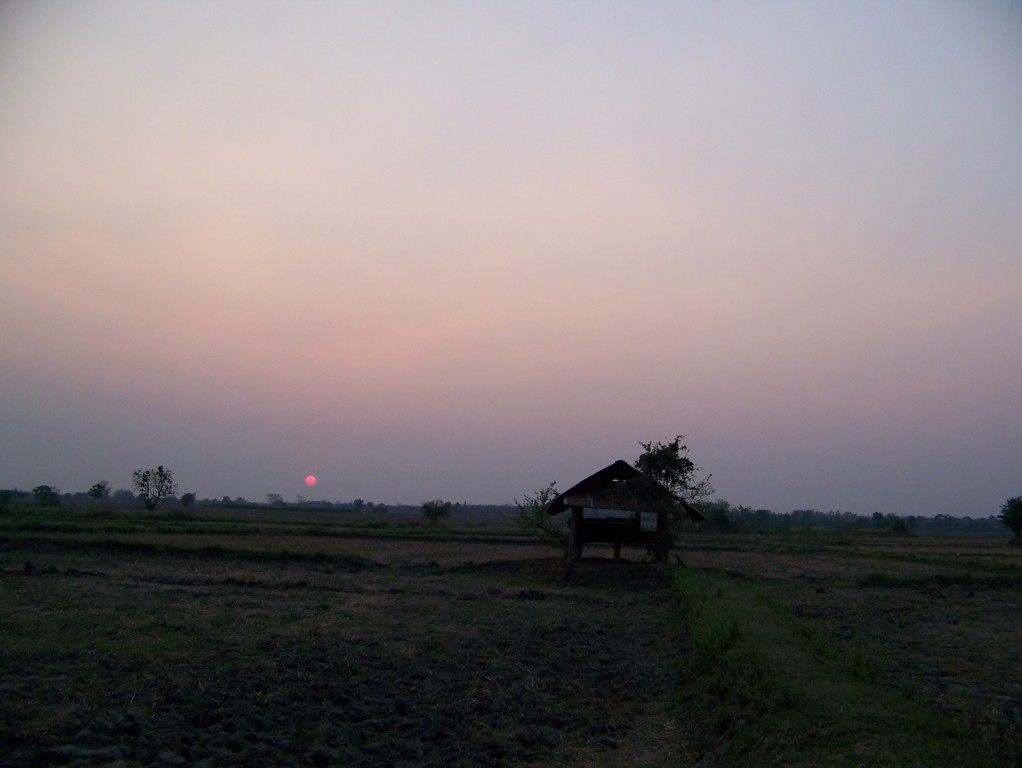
pixel 275 647
pixel 233 640
pixel 939 619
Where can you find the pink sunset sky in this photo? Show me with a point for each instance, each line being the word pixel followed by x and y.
pixel 463 249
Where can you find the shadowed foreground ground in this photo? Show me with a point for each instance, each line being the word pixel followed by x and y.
pixel 217 658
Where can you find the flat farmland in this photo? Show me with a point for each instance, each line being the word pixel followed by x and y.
pixel 210 642
pixel 235 639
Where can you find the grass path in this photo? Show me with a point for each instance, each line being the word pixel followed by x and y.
pixel 771 689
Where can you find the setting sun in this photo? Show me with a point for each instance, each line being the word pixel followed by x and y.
pixel 310 480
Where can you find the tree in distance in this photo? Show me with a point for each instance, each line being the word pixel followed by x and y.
pixel 434 509
pixel 274 500
pixel 1011 516
pixel 45 496
pixel 151 485
pixel 187 499
pixel 99 491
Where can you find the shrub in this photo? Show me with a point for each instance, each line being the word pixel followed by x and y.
pixel 532 517
pixel 435 509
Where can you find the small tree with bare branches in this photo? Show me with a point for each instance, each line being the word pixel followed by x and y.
pixel 151 485
pixel 532 517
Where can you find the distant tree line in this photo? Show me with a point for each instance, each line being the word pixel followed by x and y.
pixel 122 498
pixel 722 516
pixel 151 487
pixel 725 518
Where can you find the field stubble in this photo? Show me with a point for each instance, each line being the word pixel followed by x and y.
pixel 236 642
pixel 326 651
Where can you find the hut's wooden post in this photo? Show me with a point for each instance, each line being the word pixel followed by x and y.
pixel 663 535
pixel 579 540
pixel 574 541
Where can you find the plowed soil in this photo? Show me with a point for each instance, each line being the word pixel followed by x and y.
pixel 404 654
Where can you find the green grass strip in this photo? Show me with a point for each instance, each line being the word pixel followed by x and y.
pixel 767 688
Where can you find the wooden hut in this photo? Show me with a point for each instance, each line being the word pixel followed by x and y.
pixel 596 504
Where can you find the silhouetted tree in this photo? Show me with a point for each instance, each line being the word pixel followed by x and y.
pixel 357 504
pixel 151 485
pixel 274 500
pixel 435 509
pixel 187 499
pixel 99 491
pixel 1011 516
pixel 45 496
pixel 669 465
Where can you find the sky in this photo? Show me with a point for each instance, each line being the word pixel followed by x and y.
pixel 464 249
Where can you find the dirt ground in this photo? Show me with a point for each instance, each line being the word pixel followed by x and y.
pixel 395 653
pixel 250 648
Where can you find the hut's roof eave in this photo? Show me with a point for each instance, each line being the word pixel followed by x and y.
pixel 601 491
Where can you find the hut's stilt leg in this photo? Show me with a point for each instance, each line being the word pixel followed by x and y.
pixel 663 534
pixel 574 541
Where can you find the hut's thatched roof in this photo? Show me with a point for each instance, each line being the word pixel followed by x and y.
pixel 620 486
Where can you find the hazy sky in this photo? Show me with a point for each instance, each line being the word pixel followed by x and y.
pixel 462 249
